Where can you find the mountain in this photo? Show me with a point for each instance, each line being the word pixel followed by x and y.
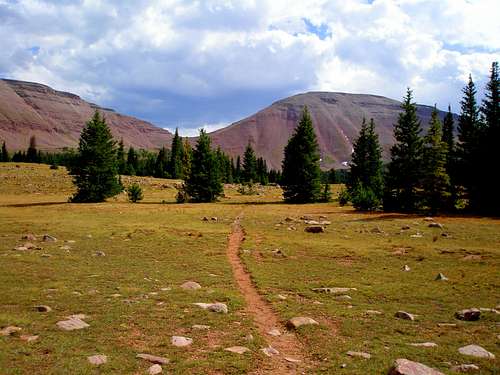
pixel 337 119
pixel 56 119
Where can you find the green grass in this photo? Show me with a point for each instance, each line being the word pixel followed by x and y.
pixel 151 246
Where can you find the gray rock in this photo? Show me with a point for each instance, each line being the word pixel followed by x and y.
pixel 344 297
pixel 404 366
pixel 292 360
pixel 274 332
pixel 43 308
pixel 300 321
pixel 237 349
pixel 200 326
pixel 436 225
pixel 153 358
pixel 424 344
pixel 359 354
pixel 465 368
pixel 269 351
pixel 373 312
pixel 191 285
pixel 406 268
pixel 441 277
pixel 332 290
pixel 214 307
pixel 469 315
pixel 49 238
pixel 73 323
pixel 181 341
pixel 97 359
pixel 311 222
pixel 10 331
pixel 29 237
pixel 100 253
pixel 29 338
pixel 314 229
pixel 476 351
pixel 404 315
pixel 155 370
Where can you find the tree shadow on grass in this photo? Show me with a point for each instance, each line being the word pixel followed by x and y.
pixel 34 204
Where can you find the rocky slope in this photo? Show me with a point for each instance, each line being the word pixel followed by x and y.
pixel 56 119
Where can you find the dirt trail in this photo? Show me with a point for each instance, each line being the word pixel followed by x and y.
pixel 287 344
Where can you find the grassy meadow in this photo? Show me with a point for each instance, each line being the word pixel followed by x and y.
pixel 134 304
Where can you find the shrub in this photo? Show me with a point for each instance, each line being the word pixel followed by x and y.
pixel 326 194
pixel 344 197
pixel 182 195
pixel 247 188
pixel 364 199
pixel 134 192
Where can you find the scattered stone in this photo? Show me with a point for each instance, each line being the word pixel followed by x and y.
pixel 332 290
pixel 204 218
pixel 447 325
pixel 441 277
pixel 73 323
pixel 373 312
pixel 314 229
pixel 343 365
pixel 29 237
pixel 29 338
pixel 428 219
pixel 476 351
pixel 181 341
pixel 344 297
pixel 100 253
pixel 416 235
pixel 98 359
pixel 465 368
pixel 311 222
pixel 281 297
pixel 10 331
pixel 274 332
pixel 43 308
pixel 405 227
pixel 46 256
pixel 306 217
pixel 406 367
pixel 424 344
pixel 200 326
pixel 278 252
pixel 377 230
pixel 214 307
pixel 406 268
pixel 269 351
pixel 153 358
pixel 289 219
pixel 21 248
pixel 155 369
pixel 213 218
pixel 359 354
pixel 325 222
pixel 404 315
pixel 436 225
pixel 489 310
pixel 65 247
pixel 468 315
pixel 292 360
pixel 237 349
pixel 191 285
pixel 300 321
pixel 49 238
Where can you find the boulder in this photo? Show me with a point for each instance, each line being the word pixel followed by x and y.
pixel 181 341
pixel 73 323
pixel 314 229
pixel 191 285
pixel 468 315
pixel 214 307
pixel 43 308
pixel 237 349
pixel 155 370
pixel 476 351
pixel 406 367
pixel 300 321
pixel 97 359
pixel 436 225
pixel 49 238
pixel 404 315
pixel 153 358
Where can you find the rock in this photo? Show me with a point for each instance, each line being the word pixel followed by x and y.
pixel 49 238
pixel 292 360
pixel 406 268
pixel 153 358
pixel 417 235
pixel 300 321
pixel 441 277
pixel 377 230
pixel 72 324
pixel 406 367
pixel 465 368
pixel 311 222
pixel 428 219
pixel 237 349
pixel 215 307
pixel 343 365
pixel 373 312
pixel 43 308
pixel 447 325
pixel 476 351
pixel 191 285
pixel 344 297
pixel 325 222
pixel 404 315
pixel 200 326
pixel 21 248
pixel 289 219
pixel 97 359
pixel 436 225
pixel 155 369
pixel 359 354
pixel 181 341
pixel 274 332
pixel 332 290
pixel 306 217
pixel 489 310
pixel 424 344
pixel 10 331
pixel 314 229
pixel 281 297
pixel 29 338
pixel 214 218
pixel 100 253
pixel 468 315
pixel 29 237
pixel 405 227
pixel 204 218
pixel 269 351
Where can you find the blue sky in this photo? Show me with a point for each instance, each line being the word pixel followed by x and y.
pixel 208 63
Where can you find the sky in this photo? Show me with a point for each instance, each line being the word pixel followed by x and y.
pixel 193 64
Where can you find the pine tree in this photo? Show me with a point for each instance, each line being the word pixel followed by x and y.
pixel 186 159
pixel 120 157
pixel 249 173
pixel 261 171
pixel 365 177
pixel 176 152
pixel 436 181
pixel 162 163
pixel 132 162
pixel 301 178
pixel 490 110
pixel 238 174
pixel 451 164
pixel 404 171
pixel 468 149
pixel 5 153
pixel 95 171
pixel 203 184
pixel 32 153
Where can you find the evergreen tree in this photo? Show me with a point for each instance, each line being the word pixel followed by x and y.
pixel 301 176
pixel 451 164
pixel 249 165
pixel 490 110
pixel 365 175
pixel 176 152
pixel 162 164
pixel 120 158
pixel 404 171
pixel 238 174
pixel 132 162
pixel 261 171
pixel 436 181
pixel 5 153
pixel 203 184
pixel 186 159
pixel 468 149
pixel 32 153
pixel 95 171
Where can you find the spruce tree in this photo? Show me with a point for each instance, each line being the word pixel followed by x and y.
pixel 5 153
pixel 301 176
pixel 249 174
pixel 203 184
pixel 132 162
pixel 436 182
pixel 404 171
pixel 95 171
pixel 186 159
pixel 365 177
pixel 32 153
pixel 261 171
pixel 120 157
pixel 162 163
pixel 468 149
pixel 176 152
pixel 451 165
pixel 238 174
